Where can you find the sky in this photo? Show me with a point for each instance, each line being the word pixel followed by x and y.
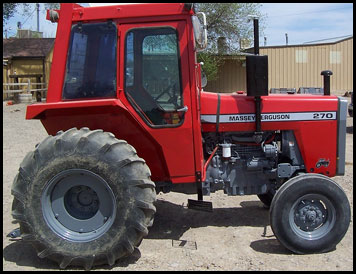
pixel 303 22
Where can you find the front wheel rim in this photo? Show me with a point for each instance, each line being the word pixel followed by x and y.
pixel 78 205
pixel 312 216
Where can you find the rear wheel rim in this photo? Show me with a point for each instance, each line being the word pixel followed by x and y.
pixel 78 205
pixel 312 216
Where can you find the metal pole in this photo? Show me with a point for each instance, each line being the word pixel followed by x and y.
pixel 258 113
pixel 258 133
pixel 256 36
pixel 28 85
pixel 326 74
pixel 38 17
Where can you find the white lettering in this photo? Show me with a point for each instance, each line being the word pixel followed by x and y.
pixel 270 117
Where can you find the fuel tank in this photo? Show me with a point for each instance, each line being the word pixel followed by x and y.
pixel 314 120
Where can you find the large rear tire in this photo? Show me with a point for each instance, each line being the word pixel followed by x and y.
pixel 310 213
pixel 83 198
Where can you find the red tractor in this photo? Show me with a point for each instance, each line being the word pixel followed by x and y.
pixel 127 118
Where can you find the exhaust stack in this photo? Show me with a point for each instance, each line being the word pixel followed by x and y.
pixel 326 74
pixel 257 79
pixel 256 40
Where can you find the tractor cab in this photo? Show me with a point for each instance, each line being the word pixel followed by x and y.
pixel 138 59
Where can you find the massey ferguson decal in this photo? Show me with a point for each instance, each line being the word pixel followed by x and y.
pixel 270 117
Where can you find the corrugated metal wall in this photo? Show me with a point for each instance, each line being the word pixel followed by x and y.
pixel 231 77
pixel 294 67
pixel 300 66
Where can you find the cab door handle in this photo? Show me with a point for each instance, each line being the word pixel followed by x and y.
pixel 183 109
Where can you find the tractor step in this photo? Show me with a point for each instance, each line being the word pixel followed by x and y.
pixel 14 234
pixel 200 205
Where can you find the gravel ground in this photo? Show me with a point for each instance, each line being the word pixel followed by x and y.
pixel 236 236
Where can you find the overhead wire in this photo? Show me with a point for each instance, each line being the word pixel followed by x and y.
pixel 339 37
pixel 307 12
pixel 22 24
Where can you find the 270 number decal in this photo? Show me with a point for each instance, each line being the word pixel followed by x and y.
pixel 323 115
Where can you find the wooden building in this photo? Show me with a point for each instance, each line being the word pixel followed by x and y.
pixel 27 58
pixel 293 66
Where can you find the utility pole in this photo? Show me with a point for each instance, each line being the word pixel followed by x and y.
pixel 38 17
pixel 6 31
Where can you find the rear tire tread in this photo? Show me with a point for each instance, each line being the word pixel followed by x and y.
pixel 65 262
pixel 45 253
pixel 128 246
pixel 88 263
pixel 142 183
pixel 110 258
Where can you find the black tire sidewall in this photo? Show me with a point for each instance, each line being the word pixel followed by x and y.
pixel 284 200
pixel 266 198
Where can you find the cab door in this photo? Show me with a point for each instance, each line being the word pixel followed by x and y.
pixel 156 89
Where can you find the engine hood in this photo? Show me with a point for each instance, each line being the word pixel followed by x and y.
pixel 236 112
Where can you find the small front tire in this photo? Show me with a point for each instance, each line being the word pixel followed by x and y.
pixel 266 198
pixel 310 213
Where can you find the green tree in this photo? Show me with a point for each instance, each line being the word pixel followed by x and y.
pixel 211 64
pixel 9 9
pixel 25 9
pixel 229 20
pixel 50 6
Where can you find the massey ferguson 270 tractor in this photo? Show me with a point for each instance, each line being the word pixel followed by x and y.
pixel 127 118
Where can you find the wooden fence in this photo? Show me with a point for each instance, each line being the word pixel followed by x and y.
pixel 12 89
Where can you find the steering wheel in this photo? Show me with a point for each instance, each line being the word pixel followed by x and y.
pixel 86 91
pixel 170 91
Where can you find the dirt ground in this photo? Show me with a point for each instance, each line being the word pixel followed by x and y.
pixel 236 236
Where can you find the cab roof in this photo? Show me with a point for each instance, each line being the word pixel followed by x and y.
pixel 80 13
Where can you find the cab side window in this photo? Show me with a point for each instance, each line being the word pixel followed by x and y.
pixel 152 75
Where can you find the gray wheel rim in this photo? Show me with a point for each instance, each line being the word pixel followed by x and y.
pixel 78 205
pixel 312 216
